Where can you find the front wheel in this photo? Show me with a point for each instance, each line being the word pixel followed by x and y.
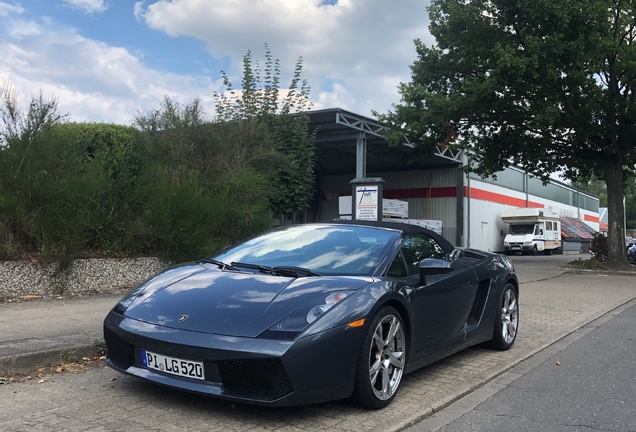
pixel 507 321
pixel 381 361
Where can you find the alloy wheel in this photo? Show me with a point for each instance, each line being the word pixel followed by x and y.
pixel 509 316
pixel 386 357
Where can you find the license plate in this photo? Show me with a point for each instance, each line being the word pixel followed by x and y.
pixel 172 365
pixel 515 247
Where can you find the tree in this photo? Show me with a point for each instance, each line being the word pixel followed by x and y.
pixel 598 187
pixel 630 203
pixel 593 186
pixel 546 85
pixel 281 111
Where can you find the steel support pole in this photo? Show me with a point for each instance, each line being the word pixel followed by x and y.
pixel 361 155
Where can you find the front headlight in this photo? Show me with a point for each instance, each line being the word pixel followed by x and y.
pixel 528 243
pixel 290 326
pixel 330 301
pixel 506 243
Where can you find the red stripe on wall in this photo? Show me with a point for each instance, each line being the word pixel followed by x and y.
pixel 484 195
pixel 438 192
pixel 449 192
pixel 590 218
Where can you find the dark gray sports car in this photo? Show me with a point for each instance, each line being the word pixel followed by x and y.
pixel 314 312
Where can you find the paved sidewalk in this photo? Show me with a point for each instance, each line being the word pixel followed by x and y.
pixel 36 333
pixel 549 310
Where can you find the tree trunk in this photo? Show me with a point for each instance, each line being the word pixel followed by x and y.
pixel 615 212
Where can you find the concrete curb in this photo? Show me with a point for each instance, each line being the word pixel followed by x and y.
pixel 601 272
pixel 567 270
pixel 27 355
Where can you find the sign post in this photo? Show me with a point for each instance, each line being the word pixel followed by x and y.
pixel 367 198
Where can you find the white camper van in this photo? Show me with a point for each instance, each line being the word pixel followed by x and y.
pixel 532 230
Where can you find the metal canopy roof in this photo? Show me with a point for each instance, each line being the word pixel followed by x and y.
pixel 339 133
pixel 576 229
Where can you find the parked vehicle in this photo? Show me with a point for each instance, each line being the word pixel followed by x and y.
pixel 314 312
pixel 532 231
pixel 631 254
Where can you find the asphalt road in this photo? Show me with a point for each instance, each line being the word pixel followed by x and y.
pixel 585 382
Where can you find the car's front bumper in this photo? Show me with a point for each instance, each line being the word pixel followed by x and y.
pixel 518 247
pixel 269 372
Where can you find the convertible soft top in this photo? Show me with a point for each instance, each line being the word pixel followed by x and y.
pixel 407 229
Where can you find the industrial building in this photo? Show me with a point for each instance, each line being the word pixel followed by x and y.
pixel 351 146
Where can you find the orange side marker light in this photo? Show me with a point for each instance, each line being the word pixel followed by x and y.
pixel 358 323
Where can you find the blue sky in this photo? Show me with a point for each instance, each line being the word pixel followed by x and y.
pixel 105 60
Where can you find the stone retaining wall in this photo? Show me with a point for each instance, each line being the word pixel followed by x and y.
pixel 85 276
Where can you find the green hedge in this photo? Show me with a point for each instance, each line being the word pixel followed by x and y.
pixel 82 188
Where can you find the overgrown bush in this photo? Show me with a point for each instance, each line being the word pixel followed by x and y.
pixel 210 182
pixel 47 192
pixel 600 247
pixel 106 190
pixel 174 185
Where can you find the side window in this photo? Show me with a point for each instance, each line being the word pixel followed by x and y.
pixel 397 268
pixel 418 247
pixel 548 226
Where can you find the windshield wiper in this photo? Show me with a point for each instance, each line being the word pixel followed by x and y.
pixel 221 264
pixel 293 269
pixel 278 270
pixel 260 268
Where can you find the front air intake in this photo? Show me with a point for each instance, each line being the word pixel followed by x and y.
pixel 118 350
pixel 259 378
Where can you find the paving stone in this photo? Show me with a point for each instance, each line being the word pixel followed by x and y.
pixel 549 310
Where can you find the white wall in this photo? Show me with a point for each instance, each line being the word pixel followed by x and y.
pixel 484 216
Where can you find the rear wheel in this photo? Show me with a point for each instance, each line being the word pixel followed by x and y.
pixel 381 361
pixel 507 321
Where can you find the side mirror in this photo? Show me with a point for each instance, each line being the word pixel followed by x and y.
pixel 433 266
pixel 541 232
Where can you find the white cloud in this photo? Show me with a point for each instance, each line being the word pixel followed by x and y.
pixel 354 52
pixel 89 6
pixel 92 80
pixel 138 11
pixel 364 45
pixel 6 9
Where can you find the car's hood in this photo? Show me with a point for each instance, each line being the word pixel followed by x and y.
pixel 227 302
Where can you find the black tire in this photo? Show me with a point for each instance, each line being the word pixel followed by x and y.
pixel 374 393
pixel 534 250
pixel 507 320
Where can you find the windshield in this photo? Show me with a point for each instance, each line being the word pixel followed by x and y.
pixel 323 249
pixel 521 229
